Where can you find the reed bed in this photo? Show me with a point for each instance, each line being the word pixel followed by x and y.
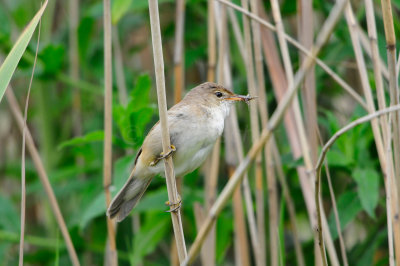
pixel 260 198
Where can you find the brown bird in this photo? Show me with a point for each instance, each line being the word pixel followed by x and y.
pixel 195 123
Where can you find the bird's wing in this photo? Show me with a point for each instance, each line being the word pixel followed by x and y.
pixel 151 151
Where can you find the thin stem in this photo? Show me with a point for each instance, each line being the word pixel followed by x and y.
pixel 394 100
pixel 119 68
pixel 179 50
pixel 336 214
pixel 23 179
pixel 211 38
pixel 388 184
pixel 258 246
pixel 271 179
pixel 74 65
pixel 162 108
pixel 107 159
pixel 42 175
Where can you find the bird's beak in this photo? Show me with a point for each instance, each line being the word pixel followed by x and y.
pixel 243 98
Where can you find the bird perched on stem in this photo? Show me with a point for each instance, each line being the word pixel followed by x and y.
pixel 195 123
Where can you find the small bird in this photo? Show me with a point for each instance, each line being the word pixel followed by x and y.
pixel 195 123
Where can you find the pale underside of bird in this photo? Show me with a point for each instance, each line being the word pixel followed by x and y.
pixel 194 125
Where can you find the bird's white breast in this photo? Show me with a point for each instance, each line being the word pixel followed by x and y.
pixel 195 140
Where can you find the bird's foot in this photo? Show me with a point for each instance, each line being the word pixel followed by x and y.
pixel 163 156
pixel 169 153
pixel 175 206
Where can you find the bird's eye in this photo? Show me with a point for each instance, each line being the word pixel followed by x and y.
pixel 218 94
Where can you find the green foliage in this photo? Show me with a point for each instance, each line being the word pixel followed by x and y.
pixel 367 188
pixel 133 119
pixel 95 136
pixel 10 63
pixel 53 55
pixel 349 206
pixel 10 217
pixel 151 232
pixel 119 9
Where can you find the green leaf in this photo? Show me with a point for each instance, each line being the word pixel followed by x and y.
pixel 95 209
pixel 349 206
pixel 153 200
pixel 10 63
pixel 140 93
pixel 367 189
pixel 85 32
pixel 224 236
pixel 53 56
pixel 133 119
pixel 338 159
pixel 153 230
pixel 119 9
pixel 90 137
pixel 122 169
pixel 9 218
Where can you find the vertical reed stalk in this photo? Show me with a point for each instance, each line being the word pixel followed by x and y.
pixel 179 63
pixel 388 184
pixel 271 179
pixel 15 110
pixel 23 178
pixel 111 258
pixel 162 107
pixel 259 246
pixel 289 202
pixel 179 85
pixel 394 100
pixel 213 160
pixel 241 245
pixel 119 68
pixel 233 121
pixel 74 65
pixel 211 38
pixel 246 187
pixel 306 36
pixel 366 44
pixel 369 8
pixel 336 214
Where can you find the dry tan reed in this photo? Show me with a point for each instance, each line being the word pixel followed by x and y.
pixel 23 178
pixel 394 100
pixel 111 250
pixel 162 108
pixel 16 111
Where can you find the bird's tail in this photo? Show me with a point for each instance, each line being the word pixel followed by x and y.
pixel 128 197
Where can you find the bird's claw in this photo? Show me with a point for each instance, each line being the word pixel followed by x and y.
pixel 163 156
pixel 175 205
pixel 169 153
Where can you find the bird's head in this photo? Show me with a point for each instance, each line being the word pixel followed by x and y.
pixel 216 96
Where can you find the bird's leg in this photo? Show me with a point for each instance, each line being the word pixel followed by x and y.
pixel 176 205
pixel 169 153
pixel 163 156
